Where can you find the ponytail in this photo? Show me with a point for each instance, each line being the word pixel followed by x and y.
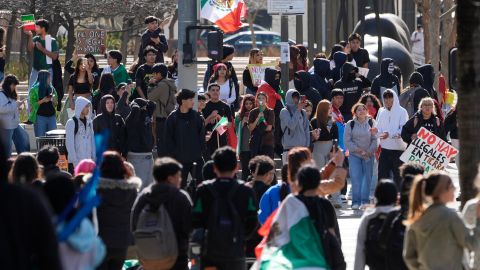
pixel 416 208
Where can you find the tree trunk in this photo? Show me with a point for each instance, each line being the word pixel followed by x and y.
pixel 426 27
pixel 251 19
pixel 379 35
pixel 127 23
pixel 468 29
pixel 9 37
pixel 434 32
pixel 70 26
pixel 449 36
pixel 171 26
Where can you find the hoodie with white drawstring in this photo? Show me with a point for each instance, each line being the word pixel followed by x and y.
pixel 392 121
pixel 80 144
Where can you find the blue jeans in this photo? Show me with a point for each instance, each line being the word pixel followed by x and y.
pixel 361 171
pixel 2 75
pixel 19 137
pixel 44 124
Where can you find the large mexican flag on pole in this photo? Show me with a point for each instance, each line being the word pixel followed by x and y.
pixel 292 242
pixel 226 14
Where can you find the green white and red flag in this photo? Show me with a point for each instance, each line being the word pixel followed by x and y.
pixel 221 126
pixel 226 14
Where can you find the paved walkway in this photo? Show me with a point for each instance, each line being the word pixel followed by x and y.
pixel 349 221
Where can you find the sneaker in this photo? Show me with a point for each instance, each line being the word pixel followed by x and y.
pixel 363 207
pixel 355 207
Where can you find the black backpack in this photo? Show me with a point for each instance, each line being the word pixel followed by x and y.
pixel 392 237
pixel 224 235
pixel 370 123
pixel 374 252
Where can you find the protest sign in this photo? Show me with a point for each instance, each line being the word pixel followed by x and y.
pixel 430 151
pixel 257 71
pixel 91 41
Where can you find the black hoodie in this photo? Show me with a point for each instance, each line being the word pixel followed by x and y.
pixel 428 75
pixel 352 90
pixel 112 122
pixel 302 85
pixel 433 124
pixel 179 208
pixel 385 79
pixel 320 78
pixel 139 126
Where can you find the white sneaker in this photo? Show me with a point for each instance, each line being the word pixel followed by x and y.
pixel 363 207
pixel 355 207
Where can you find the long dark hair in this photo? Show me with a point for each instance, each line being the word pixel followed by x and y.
pixel 321 114
pixel 7 82
pixel 24 169
pixel 303 55
pixel 91 56
pixel 44 88
pixel 77 70
pixel 107 84
pixel 113 166
pixel 214 77
pixel 2 34
pixel 243 110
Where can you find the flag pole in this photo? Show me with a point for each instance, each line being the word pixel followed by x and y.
pixel 218 139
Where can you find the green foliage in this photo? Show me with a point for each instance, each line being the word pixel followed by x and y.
pixel 19 68
pixel 114 40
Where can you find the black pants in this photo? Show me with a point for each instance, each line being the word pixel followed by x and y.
pixel 114 259
pixel 160 130
pixel 245 157
pixel 345 187
pixel 194 170
pixel 389 162
pixel 238 265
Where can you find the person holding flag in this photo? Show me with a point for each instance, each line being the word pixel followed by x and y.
pixel 217 121
pixel 261 122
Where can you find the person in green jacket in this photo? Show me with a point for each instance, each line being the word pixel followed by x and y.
pixel 243 133
pixel 115 66
pixel 436 236
pixel 43 101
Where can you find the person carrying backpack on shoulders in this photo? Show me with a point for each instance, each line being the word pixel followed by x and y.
pixel 161 90
pixel 413 94
pixel 226 209
pixel 80 138
pixel 171 207
pixel 368 251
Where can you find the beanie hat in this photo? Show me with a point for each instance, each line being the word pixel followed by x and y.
pixel 227 50
pixel 160 68
pixel 416 78
pixel 85 166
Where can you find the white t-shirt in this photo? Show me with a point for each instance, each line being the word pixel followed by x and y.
pixel 225 93
pixel 417 41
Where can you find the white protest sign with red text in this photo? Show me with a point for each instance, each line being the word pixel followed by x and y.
pixel 430 151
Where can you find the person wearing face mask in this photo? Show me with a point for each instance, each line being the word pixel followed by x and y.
pixel 390 120
pixel 294 123
pixel 108 119
pixel 260 123
pixel 352 88
pixel 80 139
pixel 428 75
pixel 386 79
pixel 339 58
pixel 303 86
pixel 320 77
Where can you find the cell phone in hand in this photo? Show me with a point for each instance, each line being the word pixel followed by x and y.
pixel 303 98
pixel 335 145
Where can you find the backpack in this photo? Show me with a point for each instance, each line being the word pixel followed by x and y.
pixel 374 252
pixel 406 101
pixel 392 237
pixel 169 106
pixel 155 238
pixel 370 123
pixel 224 234
pixel 437 122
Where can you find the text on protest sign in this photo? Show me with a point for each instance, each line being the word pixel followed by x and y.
pixel 430 151
pixel 257 72
pixel 91 41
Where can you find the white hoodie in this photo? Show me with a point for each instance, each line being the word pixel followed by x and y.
pixel 81 145
pixel 392 121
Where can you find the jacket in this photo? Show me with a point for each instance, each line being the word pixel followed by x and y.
pixel 411 97
pixel 428 75
pixel 432 124
pixel 9 116
pixel 320 78
pixel 271 87
pixel 179 208
pixel 248 83
pixel 161 47
pixel 469 214
pixel 339 58
pixel 352 90
pixel 185 136
pixel 437 240
pixel 369 214
pixel 360 138
pixel 294 124
pixel 83 249
pixel 303 86
pixel 163 94
pixel 114 123
pixel 120 74
pixel 332 181
pixel 81 145
pixel 121 107
pixel 139 126
pixel 392 121
pixel 385 80
pixel 118 196
pixel 34 98
pixel 451 125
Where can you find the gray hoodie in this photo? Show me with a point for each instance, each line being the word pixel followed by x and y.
pixel 295 125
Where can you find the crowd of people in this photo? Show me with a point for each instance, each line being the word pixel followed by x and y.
pixel 171 167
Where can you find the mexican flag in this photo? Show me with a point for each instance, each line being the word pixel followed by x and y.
pixel 293 242
pixel 226 14
pixel 28 22
pixel 221 126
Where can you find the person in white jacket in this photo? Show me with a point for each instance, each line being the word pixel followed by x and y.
pixel 390 120
pixel 80 139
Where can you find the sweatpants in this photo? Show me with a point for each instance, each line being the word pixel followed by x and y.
pixel 389 162
pixel 143 164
